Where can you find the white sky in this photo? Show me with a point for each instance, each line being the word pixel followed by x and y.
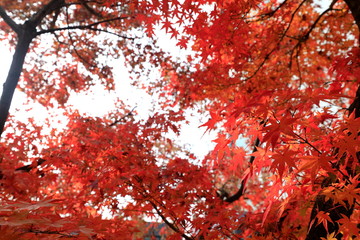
pixel 101 101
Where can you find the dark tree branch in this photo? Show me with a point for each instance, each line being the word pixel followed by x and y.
pixel 172 226
pixel 154 203
pixel 111 33
pixel 229 199
pixel 355 106
pixel 82 27
pixel 90 9
pixel 46 10
pixel 267 56
pixel 29 167
pixel 25 38
pixel 122 118
pixel 240 192
pixel 50 232
pixel 14 26
pixel 354 6
pixel 55 17
pixel 266 15
pixel 305 37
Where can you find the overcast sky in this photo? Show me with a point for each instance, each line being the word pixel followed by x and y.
pixel 101 101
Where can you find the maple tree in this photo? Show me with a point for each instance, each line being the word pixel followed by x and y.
pixel 284 75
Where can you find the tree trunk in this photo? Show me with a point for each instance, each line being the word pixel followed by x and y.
pixel 24 39
pixel 354 6
pixel 25 33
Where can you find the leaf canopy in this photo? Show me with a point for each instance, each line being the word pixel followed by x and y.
pixel 283 75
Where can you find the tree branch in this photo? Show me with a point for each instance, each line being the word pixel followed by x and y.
pixel 13 25
pixel 267 56
pixel 122 118
pixel 241 190
pixel 147 197
pixel 47 9
pixel 172 226
pixel 90 9
pixel 355 105
pixel 354 6
pixel 25 37
pixel 266 15
pixel 307 34
pixel 89 26
pixel 50 232
pixel 111 33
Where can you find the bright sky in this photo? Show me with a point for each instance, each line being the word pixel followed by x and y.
pixel 101 101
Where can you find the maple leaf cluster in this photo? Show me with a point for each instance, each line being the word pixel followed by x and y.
pixel 281 75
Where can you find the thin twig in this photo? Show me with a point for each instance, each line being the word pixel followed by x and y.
pixel 51 232
pixel 307 34
pixel 172 226
pixel 156 208
pixel 122 118
pixel 267 56
pixel 333 165
pixel 308 143
pixel 269 14
pixel 111 33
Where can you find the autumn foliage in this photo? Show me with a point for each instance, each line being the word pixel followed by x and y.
pixel 283 75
